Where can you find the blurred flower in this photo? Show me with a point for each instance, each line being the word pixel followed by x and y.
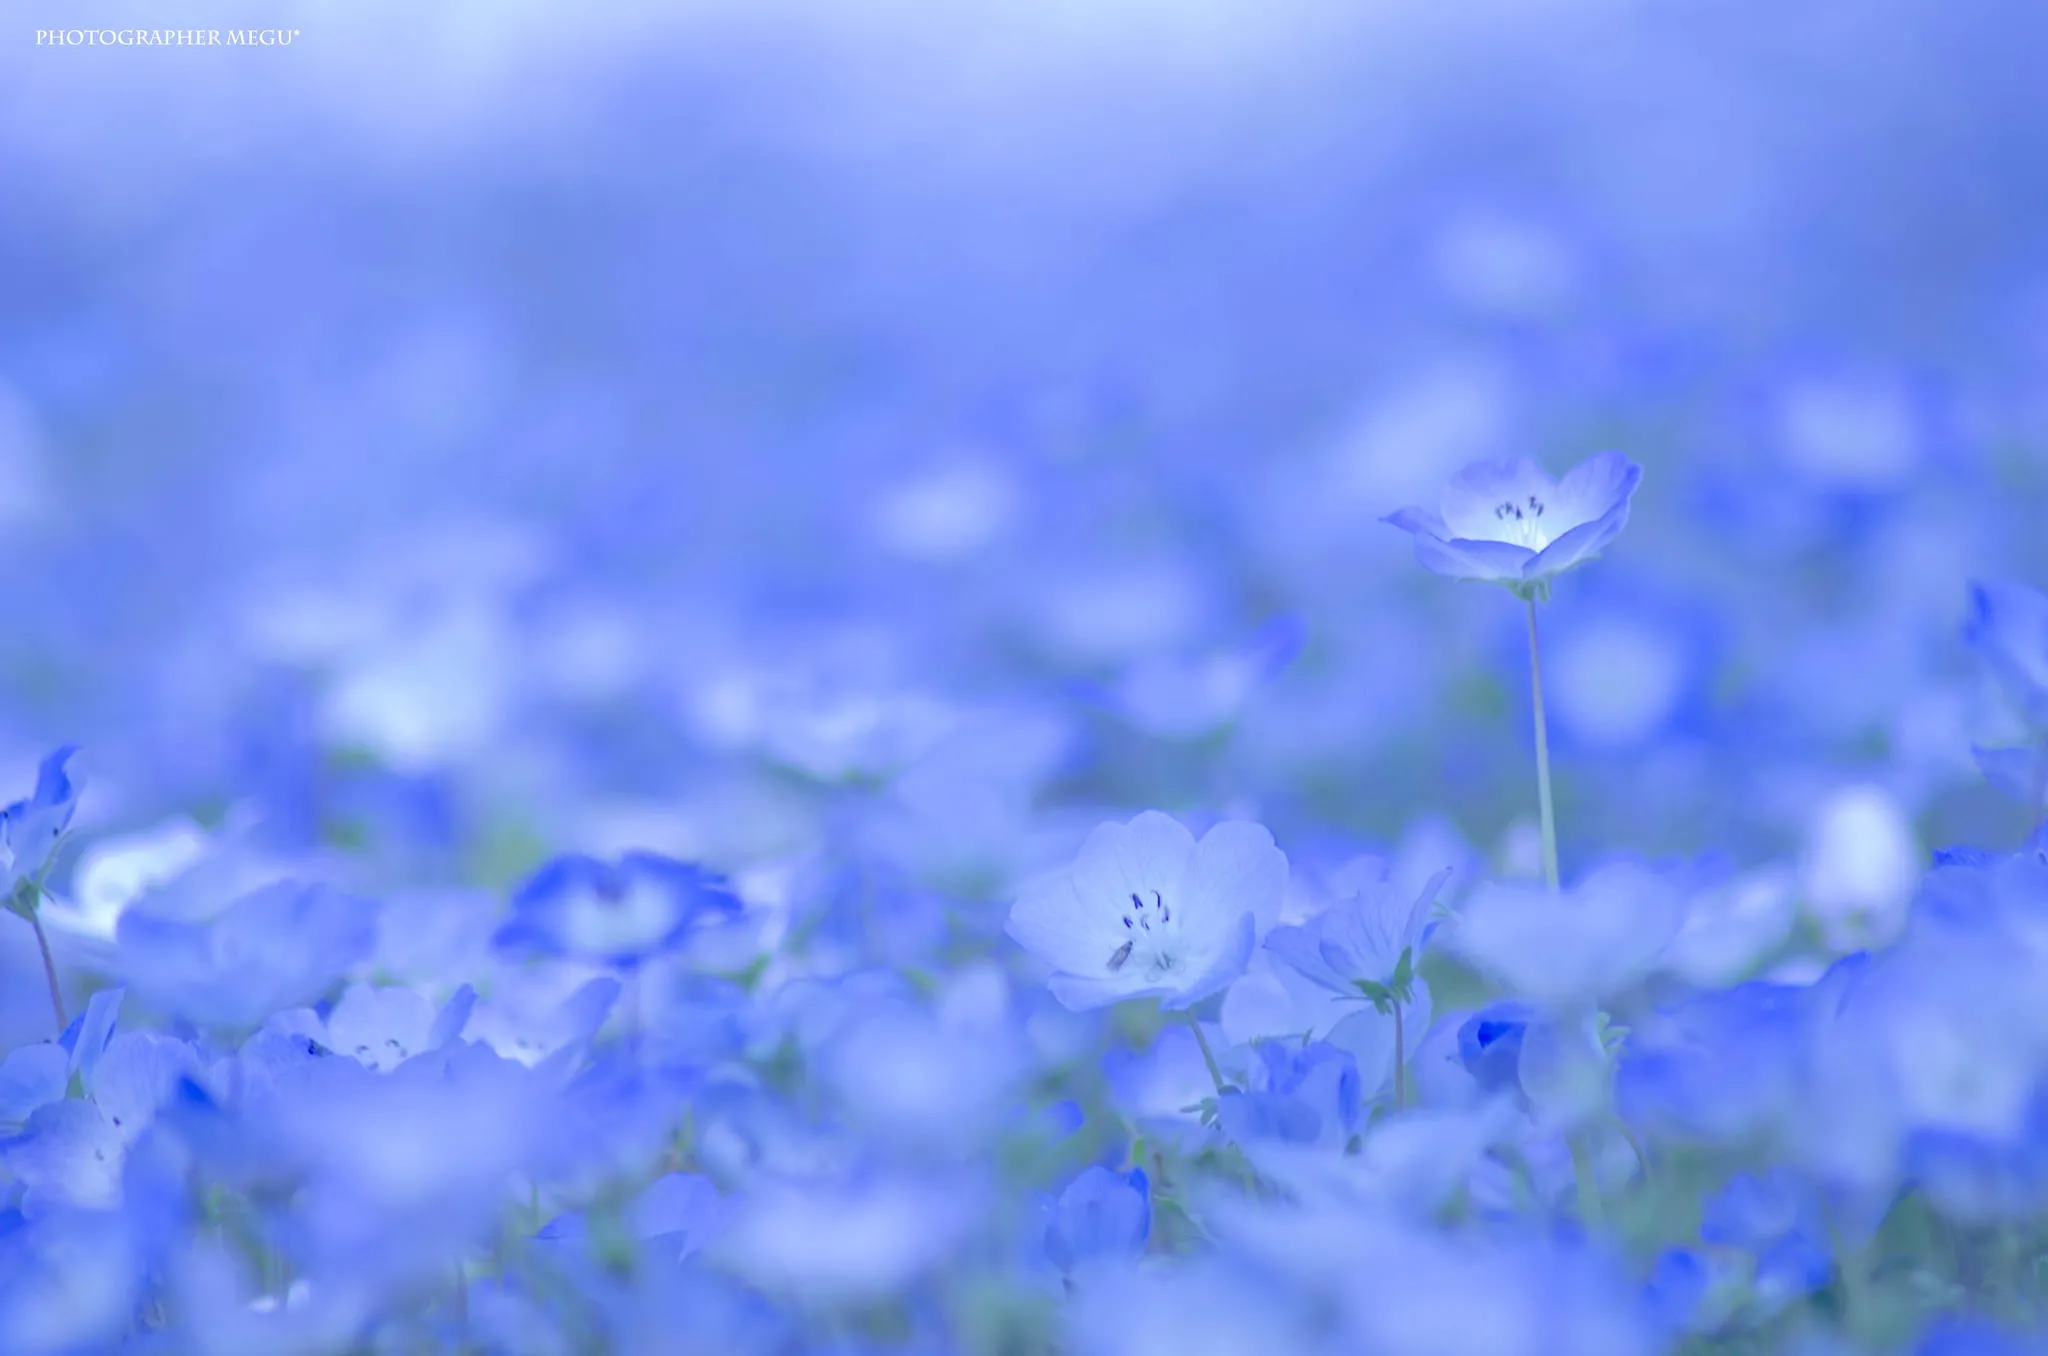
pixel 1507 522
pixel 622 913
pixel 1296 1094
pixel 276 947
pixel 1147 912
pixel 1490 1045
pixel 1860 866
pixel 2008 628
pixel 1780 1220
pixel 1590 941
pixel 1102 1218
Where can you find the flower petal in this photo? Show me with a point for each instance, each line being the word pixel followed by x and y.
pixel 1053 923
pixel 1152 852
pixel 1458 557
pixel 1225 965
pixel 1593 489
pixel 1237 869
pixel 1577 546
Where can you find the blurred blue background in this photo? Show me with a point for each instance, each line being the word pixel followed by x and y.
pixel 494 429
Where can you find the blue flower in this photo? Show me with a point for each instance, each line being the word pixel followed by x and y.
pixel 1558 948
pixel 277 946
pixel 31 828
pixel 1298 1095
pixel 1506 522
pixel 1366 943
pixel 622 913
pixel 1102 1217
pixel 1146 912
pixel 1490 1045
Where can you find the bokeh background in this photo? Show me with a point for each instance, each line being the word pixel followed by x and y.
pixel 485 429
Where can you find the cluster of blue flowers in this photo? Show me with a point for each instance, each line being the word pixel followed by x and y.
pixel 795 677
pixel 1178 1094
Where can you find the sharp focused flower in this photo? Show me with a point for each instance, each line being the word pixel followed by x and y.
pixel 1506 522
pixel 619 913
pixel 1147 912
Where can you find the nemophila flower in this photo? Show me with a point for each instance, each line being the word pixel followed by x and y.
pixel 1297 1094
pixel 1506 522
pixel 1102 1218
pixel 2008 628
pixel 1490 1045
pixel 616 913
pixel 1147 912
pixel 1272 1000
pixel 71 1150
pixel 538 1020
pixel 380 1027
pixel 1559 948
pixel 31 827
pixel 276 947
pixel 1368 944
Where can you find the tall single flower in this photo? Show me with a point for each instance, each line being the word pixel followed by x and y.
pixel 1147 912
pixel 1506 522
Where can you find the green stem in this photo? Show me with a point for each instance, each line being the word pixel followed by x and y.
pixel 1592 1213
pixel 1208 1055
pixel 35 920
pixel 1400 1059
pixel 1542 753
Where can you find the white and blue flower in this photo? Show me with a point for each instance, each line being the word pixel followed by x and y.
pixel 1506 522
pixel 1147 912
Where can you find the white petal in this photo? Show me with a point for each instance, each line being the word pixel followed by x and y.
pixel 1054 923
pixel 1237 871
pixel 1150 853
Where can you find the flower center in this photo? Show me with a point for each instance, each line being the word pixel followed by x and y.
pixel 1149 931
pixel 1521 522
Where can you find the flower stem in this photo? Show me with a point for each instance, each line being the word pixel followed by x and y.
pixel 1400 1059
pixel 1592 1214
pixel 1208 1055
pixel 1542 753
pixel 35 920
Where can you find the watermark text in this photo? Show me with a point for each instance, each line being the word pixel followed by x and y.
pixel 166 37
